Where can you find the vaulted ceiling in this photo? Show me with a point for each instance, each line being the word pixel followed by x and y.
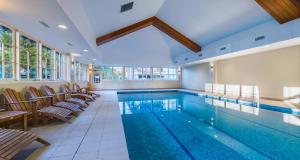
pixel 203 21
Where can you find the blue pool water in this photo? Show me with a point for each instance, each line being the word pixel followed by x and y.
pixel 176 125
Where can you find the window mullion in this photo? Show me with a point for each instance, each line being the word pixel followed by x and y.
pixel 2 52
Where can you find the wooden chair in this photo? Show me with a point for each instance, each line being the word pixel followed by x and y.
pixel 68 98
pixel 78 89
pixel 48 91
pixel 86 97
pixel 13 141
pixel 17 102
pixel 45 102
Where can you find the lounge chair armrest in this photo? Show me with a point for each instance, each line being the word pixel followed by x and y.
pixel 2 110
pixel 43 97
pixel 61 93
pixel 19 102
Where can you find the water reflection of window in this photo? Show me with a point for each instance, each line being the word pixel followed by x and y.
pixel 291 119
pixel 173 103
pixel 249 109
pixel 218 103
pixel 234 106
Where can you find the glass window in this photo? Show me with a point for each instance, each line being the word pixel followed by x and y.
pixel 46 63
pixel 58 65
pixel 156 73
pixel 165 73
pixel 65 67
pixel 97 74
pixel 77 71
pixel 117 73
pixel 106 73
pixel 28 58
pixel 6 56
pixel 128 73
pixel 138 73
pixel 173 74
pixel 147 73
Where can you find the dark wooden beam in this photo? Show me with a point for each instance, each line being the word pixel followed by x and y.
pixel 281 10
pixel 159 24
pixel 124 31
pixel 167 29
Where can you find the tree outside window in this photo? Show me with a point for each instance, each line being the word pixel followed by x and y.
pixel 6 56
pixel 28 58
pixel 46 63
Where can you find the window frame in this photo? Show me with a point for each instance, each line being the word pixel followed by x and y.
pixel 51 64
pixel 13 54
pixel 28 59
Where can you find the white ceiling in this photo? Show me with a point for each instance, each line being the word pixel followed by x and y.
pixel 203 21
pixel 26 14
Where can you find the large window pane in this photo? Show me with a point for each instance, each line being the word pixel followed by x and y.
pixel 6 64
pixel 164 73
pixel 156 73
pixel 106 73
pixel 147 73
pixel 28 58
pixel 117 73
pixel 138 73
pixel 46 63
pixel 128 73
pixel 173 74
pixel 58 65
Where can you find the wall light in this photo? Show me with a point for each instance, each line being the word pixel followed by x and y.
pixel 61 26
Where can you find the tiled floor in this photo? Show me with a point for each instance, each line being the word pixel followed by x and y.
pixel 96 134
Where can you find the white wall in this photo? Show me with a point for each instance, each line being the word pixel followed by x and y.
pixel 136 84
pixel 195 76
pixel 271 71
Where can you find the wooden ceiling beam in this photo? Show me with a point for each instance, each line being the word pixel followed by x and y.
pixel 281 10
pixel 159 24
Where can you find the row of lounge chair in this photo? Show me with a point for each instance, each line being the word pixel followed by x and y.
pixel 233 92
pixel 41 104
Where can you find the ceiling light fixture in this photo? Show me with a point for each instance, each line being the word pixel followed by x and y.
pixel 94 59
pixel 61 26
pixel 85 50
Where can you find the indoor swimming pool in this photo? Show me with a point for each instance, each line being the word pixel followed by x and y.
pixel 176 125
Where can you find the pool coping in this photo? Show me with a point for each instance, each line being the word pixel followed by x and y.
pixel 288 110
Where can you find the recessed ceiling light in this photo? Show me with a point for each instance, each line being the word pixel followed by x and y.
pixel 70 44
pixel 76 54
pixel 61 26
pixel 85 50
pixel 94 59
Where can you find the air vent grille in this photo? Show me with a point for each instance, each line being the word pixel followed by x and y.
pixel 44 24
pixel 259 38
pixel 126 7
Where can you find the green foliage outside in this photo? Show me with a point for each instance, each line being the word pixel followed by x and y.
pixel 28 58
pixel 6 48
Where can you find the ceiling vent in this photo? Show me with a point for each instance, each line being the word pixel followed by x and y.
pixel 70 44
pixel 259 38
pixel 126 7
pixel 44 24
